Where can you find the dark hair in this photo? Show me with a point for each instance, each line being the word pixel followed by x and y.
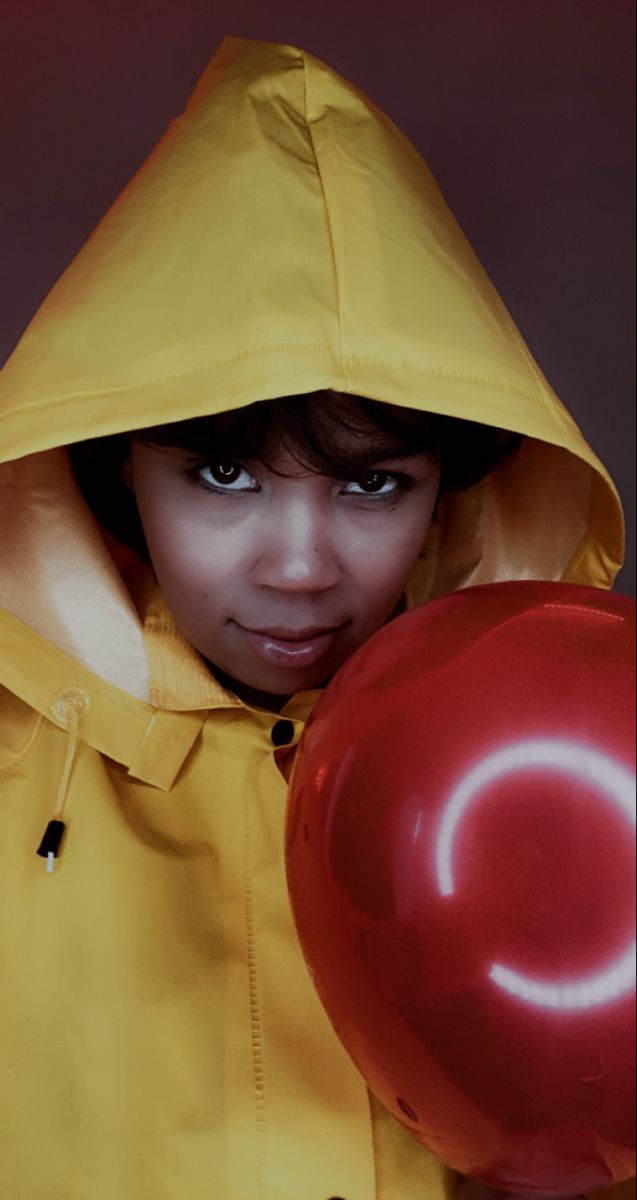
pixel 304 425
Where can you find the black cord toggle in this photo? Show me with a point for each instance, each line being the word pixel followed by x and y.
pixel 50 845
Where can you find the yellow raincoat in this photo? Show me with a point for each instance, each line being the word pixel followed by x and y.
pixel 160 1037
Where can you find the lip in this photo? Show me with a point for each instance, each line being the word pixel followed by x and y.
pixel 291 648
pixel 283 634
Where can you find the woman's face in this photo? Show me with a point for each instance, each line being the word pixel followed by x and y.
pixel 277 575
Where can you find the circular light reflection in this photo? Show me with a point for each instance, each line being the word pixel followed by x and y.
pixel 569 758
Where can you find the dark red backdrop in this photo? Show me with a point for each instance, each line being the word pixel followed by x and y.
pixel 523 108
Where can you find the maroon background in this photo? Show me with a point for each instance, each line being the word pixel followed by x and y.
pixel 523 108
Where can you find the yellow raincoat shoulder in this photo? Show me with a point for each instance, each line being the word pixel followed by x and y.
pixel 160 1036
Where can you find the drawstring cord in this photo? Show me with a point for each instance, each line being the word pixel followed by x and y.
pixel 67 708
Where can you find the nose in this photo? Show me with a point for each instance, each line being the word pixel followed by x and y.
pixel 297 549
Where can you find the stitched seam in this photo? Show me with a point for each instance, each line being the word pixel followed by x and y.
pixel 180 377
pixel 75 674
pixel 467 377
pixel 177 377
pixel 27 750
pixel 328 220
pixel 255 1014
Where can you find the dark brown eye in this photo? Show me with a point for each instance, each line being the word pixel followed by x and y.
pixel 225 477
pixel 379 485
pixel 373 481
pixel 225 472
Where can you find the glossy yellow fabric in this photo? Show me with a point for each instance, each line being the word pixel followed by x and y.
pixel 160 1036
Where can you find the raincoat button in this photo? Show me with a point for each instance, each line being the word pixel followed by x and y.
pixel 282 733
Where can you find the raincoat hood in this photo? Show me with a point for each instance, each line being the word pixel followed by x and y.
pixel 283 237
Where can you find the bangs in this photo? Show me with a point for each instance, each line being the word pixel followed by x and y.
pixel 329 433
pixel 324 432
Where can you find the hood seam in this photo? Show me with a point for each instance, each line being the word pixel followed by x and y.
pixel 330 231
pixel 405 368
pixel 176 377
pixel 28 749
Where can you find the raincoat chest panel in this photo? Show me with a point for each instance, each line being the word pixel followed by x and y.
pixel 161 1035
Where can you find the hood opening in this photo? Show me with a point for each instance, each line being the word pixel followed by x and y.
pixel 284 237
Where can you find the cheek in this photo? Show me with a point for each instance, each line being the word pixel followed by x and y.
pixel 193 564
pixel 395 550
pixel 201 568
pixel 396 547
pixel 385 559
pixel 180 548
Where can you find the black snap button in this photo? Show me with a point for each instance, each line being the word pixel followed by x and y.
pixel 282 733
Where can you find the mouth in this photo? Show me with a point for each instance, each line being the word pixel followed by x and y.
pixel 280 646
pixel 282 633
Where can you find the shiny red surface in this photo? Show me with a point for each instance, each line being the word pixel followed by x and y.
pixel 525 1097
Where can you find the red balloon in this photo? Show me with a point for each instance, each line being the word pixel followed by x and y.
pixel 460 855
